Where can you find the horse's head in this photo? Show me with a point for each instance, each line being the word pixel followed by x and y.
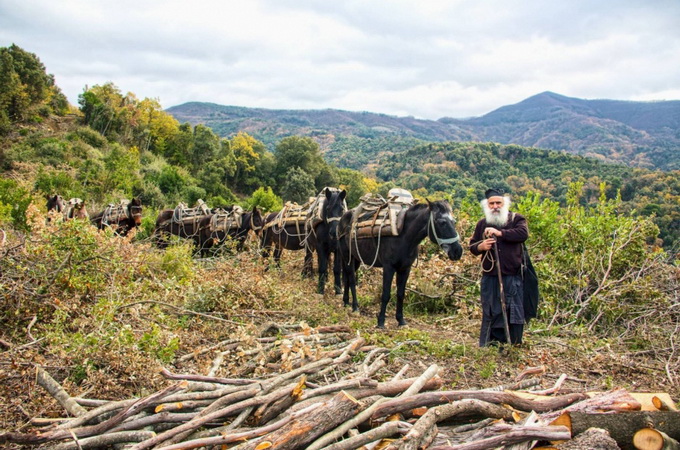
pixel 80 211
pixel 441 229
pixel 55 203
pixel 256 220
pixel 333 209
pixel 135 211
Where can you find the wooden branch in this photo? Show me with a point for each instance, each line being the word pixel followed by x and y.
pixel 105 440
pixel 540 370
pixel 375 434
pixel 514 435
pixel 92 430
pixel 234 437
pixel 50 385
pixel 417 385
pixel 338 432
pixel 202 378
pixel 661 404
pixel 440 397
pixel 556 387
pixel 617 400
pixel 414 438
pixel 306 428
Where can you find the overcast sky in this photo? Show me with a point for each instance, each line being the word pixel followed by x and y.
pixel 428 59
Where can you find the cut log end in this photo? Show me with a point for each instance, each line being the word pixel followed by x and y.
pixel 651 439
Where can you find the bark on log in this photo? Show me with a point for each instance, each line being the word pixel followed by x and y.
pixel 385 430
pixel 92 430
pixel 617 400
pixel 199 421
pixel 414 439
pixel 591 439
pixel 386 389
pixel 345 427
pixel 229 381
pixel 512 436
pixel 437 398
pixel 622 426
pixel 105 440
pixel 46 381
pixel 651 439
pixel 306 428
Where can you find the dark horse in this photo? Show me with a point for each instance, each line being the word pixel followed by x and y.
pixel 210 237
pixel 289 236
pixel 72 209
pixel 396 254
pixel 208 231
pixel 121 218
pixel 322 236
pixel 56 203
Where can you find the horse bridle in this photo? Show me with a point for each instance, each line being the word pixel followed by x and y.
pixel 252 223
pixel 441 242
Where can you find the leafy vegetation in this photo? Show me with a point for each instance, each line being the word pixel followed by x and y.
pixel 97 307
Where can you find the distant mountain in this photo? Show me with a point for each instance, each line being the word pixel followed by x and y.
pixel 641 134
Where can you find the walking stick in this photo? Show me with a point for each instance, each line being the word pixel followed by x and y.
pixel 497 263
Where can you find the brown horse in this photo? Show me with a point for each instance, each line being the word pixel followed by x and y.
pixel 75 209
pixel 290 236
pixel 121 218
pixel 55 203
pixel 216 228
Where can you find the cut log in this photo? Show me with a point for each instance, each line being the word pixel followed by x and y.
pixel 622 426
pixel 513 435
pixel 307 428
pixel 651 439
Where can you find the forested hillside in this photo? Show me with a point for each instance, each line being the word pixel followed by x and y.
pixel 639 134
pixel 103 314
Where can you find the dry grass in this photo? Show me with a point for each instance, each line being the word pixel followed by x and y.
pixel 110 343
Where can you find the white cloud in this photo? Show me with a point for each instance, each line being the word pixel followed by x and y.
pixel 427 58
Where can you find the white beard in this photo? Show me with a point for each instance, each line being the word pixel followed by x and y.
pixel 499 219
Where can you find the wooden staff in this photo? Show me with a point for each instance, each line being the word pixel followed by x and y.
pixel 497 263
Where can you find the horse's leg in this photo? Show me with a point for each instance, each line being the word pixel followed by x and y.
pixel 322 257
pixel 402 277
pixel 308 264
pixel 277 255
pixel 388 276
pixel 336 273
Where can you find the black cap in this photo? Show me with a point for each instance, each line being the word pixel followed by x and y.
pixel 493 192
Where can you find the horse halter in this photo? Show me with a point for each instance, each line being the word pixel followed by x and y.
pixel 252 224
pixel 131 215
pixel 441 242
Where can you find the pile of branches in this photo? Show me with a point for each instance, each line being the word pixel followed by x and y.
pixel 326 395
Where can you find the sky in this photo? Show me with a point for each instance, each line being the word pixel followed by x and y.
pixel 425 58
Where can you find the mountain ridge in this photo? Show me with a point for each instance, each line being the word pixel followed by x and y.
pixel 639 134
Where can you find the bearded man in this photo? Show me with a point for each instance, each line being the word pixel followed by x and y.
pixel 507 231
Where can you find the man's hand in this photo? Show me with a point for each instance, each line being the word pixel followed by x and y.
pixel 486 244
pixel 492 232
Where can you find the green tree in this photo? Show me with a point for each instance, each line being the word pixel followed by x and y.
pixel 24 85
pixel 301 152
pixel 298 186
pixel 206 147
pixel 265 199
